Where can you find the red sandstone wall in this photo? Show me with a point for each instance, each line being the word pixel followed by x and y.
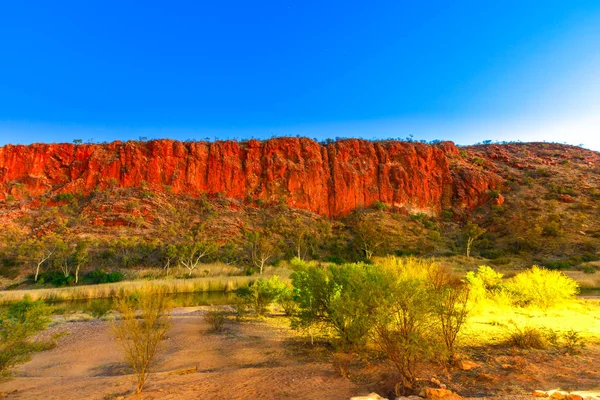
pixel 330 179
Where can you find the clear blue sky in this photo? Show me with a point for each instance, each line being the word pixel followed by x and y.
pixel 462 70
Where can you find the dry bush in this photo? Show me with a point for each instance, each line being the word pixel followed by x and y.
pixel 141 329
pixel 215 318
pixel 452 310
pixel 527 337
pixel 342 363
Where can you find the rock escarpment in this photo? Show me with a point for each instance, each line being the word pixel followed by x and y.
pixel 331 179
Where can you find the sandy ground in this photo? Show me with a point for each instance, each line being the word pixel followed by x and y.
pixel 251 360
pixel 264 359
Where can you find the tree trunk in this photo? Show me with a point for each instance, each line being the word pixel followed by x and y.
pixel 37 271
pixel 262 264
pixel 469 244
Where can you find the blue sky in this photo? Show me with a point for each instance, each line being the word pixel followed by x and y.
pixel 464 70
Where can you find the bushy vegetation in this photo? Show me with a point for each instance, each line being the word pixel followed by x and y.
pixel 404 307
pixel 215 318
pixel 99 276
pixel 260 294
pixel 336 297
pixel 18 323
pixel 529 337
pixel 98 308
pixel 541 287
pixel 413 309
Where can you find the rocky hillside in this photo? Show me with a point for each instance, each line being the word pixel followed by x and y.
pixel 536 202
pixel 331 179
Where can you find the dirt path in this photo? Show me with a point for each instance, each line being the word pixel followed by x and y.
pixel 250 360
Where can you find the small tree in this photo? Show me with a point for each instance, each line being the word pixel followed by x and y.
pixel 452 310
pixel 69 256
pixel 40 251
pixel 471 232
pixel 403 328
pixel 262 249
pixel 141 334
pixel 63 257
pixel 191 254
pixel 368 237
pixel 80 257
pixel 338 297
pixel 297 237
pixel 169 254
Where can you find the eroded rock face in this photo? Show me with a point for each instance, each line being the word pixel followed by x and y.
pixel 330 179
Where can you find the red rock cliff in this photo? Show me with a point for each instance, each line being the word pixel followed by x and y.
pixel 330 179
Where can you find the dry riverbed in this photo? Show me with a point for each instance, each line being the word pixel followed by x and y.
pixel 264 359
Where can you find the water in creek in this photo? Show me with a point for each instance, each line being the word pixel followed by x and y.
pixel 179 300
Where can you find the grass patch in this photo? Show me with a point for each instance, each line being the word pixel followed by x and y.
pixel 493 323
pixel 107 290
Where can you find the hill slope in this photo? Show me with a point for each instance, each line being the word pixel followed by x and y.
pixel 538 202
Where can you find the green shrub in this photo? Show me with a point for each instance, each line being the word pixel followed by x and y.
pixel 478 161
pixel 588 269
pixel 450 297
pixel 286 300
pixel 259 295
pixel 485 283
pixel 142 328
pixel 379 205
pixel 335 297
pixel 492 254
pixel 61 280
pixel 18 323
pixel 98 276
pixel 114 276
pixel 552 229
pixel 99 308
pixel 421 217
pixel 66 197
pixel 494 194
pixel 573 341
pixel 557 265
pixel 404 323
pixel 448 215
pixel 541 287
pixel 336 260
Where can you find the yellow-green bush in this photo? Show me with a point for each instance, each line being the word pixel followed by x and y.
pixel 541 287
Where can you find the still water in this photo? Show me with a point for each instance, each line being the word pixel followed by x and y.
pixel 179 300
